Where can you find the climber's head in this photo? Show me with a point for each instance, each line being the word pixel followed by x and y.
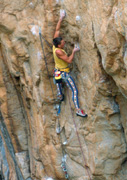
pixel 58 42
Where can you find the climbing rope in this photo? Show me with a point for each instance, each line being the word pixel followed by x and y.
pixel 86 166
pixel 45 40
pixel 45 59
pixel 63 164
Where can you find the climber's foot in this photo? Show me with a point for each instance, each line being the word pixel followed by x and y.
pixel 61 97
pixel 81 113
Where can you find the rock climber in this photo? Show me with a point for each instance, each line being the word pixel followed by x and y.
pixel 62 71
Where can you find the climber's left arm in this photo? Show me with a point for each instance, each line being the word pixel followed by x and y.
pixel 57 31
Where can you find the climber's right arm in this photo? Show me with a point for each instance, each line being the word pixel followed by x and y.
pixel 60 54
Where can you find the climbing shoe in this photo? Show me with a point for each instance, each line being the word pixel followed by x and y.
pixel 81 113
pixel 61 97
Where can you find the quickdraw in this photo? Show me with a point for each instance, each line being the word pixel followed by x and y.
pixel 63 165
pixel 58 77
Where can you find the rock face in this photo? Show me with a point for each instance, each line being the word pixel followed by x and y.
pixel 93 148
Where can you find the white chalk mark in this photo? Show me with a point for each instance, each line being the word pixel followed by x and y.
pixel 43 118
pixel 65 143
pixel 78 18
pixel 31 5
pixel 39 55
pixel 35 30
pixel 85 77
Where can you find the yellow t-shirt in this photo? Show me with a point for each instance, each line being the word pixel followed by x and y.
pixel 59 63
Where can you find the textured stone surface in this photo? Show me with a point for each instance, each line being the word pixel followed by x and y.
pixel 23 161
pixel 4 168
pixel 99 70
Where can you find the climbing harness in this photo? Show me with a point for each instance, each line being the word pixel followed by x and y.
pixel 57 107
pixel 58 77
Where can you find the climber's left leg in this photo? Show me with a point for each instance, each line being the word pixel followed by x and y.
pixel 59 91
pixel 70 82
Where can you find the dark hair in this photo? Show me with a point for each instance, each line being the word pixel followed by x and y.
pixel 57 41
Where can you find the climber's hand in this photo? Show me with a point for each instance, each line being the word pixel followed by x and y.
pixel 62 14
pixel 76 49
